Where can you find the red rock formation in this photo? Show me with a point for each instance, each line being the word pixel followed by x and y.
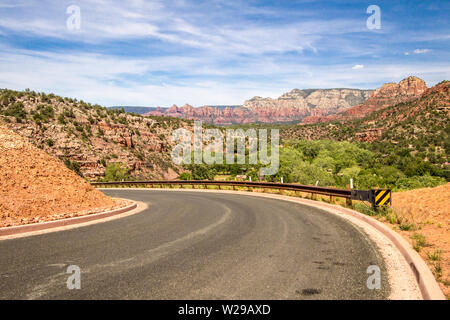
pixel 290 107
pixel 141 144
pixel 389 94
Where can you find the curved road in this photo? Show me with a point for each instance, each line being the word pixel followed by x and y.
pixel 197 245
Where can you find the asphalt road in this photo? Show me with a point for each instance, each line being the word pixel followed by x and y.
pixel 192 245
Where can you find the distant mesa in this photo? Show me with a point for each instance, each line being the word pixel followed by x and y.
pixel 290 107
pixel 157 110
pixel 305 106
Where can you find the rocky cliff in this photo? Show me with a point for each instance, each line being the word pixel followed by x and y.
pixel 420 124
pixel 298 104
pixel 389 94
pixel 88 138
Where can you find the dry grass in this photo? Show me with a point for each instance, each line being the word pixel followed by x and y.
pixel 423 206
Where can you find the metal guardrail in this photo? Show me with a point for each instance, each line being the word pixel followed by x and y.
pixel 363 195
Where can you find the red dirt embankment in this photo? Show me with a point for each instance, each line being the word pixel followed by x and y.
pixel 35 187
pixel 428 210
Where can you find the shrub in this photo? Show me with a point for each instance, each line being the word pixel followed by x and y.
pixel 116 172
pixel 416 182
pixel 50 142
pixel 17 111
pixel 185 176
pixel 43 114
pixel 201 171
pixel 419 241
pixel 61 119
pixel 74 166
pixel 435 255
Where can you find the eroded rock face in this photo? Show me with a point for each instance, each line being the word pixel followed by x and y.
pixel 290 107
pixel 369 135
pixel 427 115
pixel 389 94
pixel 94 138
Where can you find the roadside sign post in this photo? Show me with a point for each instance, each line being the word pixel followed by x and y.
pixel 377 197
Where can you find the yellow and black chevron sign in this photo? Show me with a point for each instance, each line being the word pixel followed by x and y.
pixel 382 197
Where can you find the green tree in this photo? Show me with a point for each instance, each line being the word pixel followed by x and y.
pixel 116 171
pixel 185 176
pixel 307 173
pixel 201 171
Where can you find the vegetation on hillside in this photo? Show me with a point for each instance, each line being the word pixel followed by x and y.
pixel 331 163
pixel 88 137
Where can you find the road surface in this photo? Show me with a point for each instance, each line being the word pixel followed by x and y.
pixel 197 245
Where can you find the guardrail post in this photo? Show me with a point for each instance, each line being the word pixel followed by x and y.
pixel 332 199
pixel 313 196
pixel 348 202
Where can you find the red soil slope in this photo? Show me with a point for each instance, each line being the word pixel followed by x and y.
pixel 428 210
pixel 35 187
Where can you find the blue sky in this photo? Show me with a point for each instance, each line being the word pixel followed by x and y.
pixel 217 51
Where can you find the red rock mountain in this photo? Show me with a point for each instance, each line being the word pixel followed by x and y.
pixel 419 124
pixel 307 106
pixel 290 107
pixel 389 94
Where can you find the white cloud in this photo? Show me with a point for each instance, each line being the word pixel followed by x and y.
pixel 194 25
pixel 358 66
pixel 108 80
pixel 419 51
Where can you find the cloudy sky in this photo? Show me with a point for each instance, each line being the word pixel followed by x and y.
pixel 216 52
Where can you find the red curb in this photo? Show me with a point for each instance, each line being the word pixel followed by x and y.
pixel 7 231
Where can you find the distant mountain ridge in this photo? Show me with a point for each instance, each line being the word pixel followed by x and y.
pixel 134 109
pixel 143 110
pixel 290 107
